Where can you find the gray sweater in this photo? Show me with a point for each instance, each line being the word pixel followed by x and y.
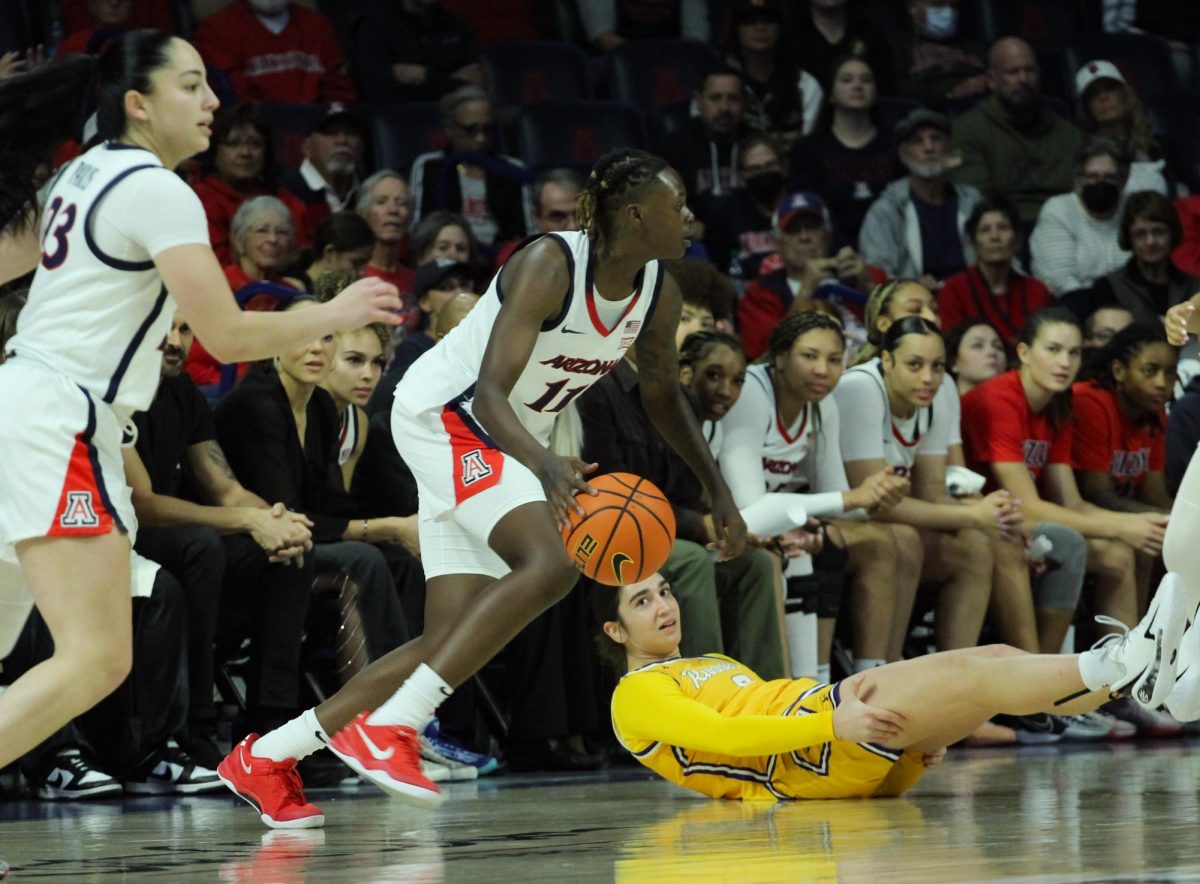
pixel 891 233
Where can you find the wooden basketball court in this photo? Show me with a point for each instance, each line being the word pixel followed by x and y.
pixel 1108 812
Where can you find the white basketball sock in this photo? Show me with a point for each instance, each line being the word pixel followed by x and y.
pixel 299 738
pixel 416 701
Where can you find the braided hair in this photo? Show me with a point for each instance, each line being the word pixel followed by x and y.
pixel 877 305
pixel 699 344
pixel 617 178
pixel 1123 347
pixel 792 326
pixel 1061 406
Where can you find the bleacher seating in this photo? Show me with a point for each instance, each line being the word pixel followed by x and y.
pixel 576 134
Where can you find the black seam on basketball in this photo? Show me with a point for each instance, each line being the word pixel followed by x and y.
pixel 655 516
pixel 612 533
pixel 616 477
pixel 641 547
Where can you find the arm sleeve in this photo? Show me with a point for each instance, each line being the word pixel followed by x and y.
pixel 830 477
pixel 649 706
pixel 943 431
pixel 1053 245
pixel 745 428
pixel 157 210
pixel 860 397
pixel 1092 445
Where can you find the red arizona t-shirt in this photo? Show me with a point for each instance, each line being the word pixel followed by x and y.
pixel 1106 441
pixel 998 426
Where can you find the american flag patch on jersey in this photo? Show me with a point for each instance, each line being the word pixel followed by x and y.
pixel 632 326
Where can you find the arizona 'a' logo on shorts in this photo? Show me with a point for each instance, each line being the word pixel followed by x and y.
pixel 78 511
pixel 474 467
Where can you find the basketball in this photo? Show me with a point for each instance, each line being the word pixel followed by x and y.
pixel 625 532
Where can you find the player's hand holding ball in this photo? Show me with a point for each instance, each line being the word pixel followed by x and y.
pixel 562 479
pixel 622 532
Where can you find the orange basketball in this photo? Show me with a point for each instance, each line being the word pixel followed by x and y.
pixel 625 532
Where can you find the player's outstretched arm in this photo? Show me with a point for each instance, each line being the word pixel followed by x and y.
pixel 536 281
pixel 662 397
pixel 194 278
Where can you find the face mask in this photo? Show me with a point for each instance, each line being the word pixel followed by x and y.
pixel 1100 197
pixel 941 22
pixel 766 187
pixel 268 7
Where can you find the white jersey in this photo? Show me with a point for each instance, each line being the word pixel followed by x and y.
pixel 871 432
pixel 572 351
pixel 761 454
pixel 97 310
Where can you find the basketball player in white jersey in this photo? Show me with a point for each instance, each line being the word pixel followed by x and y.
pixel 891 417
pixel 472 418
pixel 122 240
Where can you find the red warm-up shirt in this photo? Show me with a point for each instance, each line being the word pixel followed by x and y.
pixel 1106 441
pixel 998 426
pixel 302 63
pixel 966 296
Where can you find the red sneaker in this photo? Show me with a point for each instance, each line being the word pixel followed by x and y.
pixel 273 788
pixel 387 755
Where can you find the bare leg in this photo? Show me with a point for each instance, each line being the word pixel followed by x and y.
pixel 946 696
pixel 872 563
pixel 471 617
pixel 1113 565
pixel 961 563
pixel 1012 596
pixel 81 586
pixel 1052 626
pixel 910 550
pixel 446 599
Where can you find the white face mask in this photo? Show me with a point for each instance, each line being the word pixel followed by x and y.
pixel 941 22
pixel 268 7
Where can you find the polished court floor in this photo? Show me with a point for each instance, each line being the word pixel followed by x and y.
pixel 1099 813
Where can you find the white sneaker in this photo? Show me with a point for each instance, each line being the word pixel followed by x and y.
pixel 1184 701
pixel 1142 662
pixel 458 771
pixel 434 772
pixel 1088 727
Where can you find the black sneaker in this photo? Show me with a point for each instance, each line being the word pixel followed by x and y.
pixel 201 747
pixel 70 774
pixel 1035 729
pixel 169 771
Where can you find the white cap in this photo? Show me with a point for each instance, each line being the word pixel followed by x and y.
pixel 1093 71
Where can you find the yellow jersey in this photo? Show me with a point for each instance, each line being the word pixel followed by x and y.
pixel 712 725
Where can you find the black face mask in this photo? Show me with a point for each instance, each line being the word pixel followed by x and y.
pixel 1100 197
pixel 766 187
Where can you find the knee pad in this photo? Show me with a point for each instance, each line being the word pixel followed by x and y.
pixel 801 597
pixel 1060 587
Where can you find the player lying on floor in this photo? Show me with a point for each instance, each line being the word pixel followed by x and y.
pixel 710 724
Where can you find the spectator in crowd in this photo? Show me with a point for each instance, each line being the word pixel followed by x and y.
pixel 384 200
pixel 109 19
pixel 357 366
pixel 1101 325
pixel 739 234
pixel 934 63
pixel 281 434
pixel 1118 442
pixel 1012 144
pixel 1149 283
pixel 781 98
pixel 705 151
pixel 469 177
pixel 327 180
pixel 1076 240
pixel 263 240
pixel 804 235
pixel 1175 21
pixel 1017 431
pixel 850 158
pixel 1108 106
pixel 975 353
pixel 444 234
pixel 781 435
pixel 343 243
pixel 731 604
pixel 553 197
pixel 241 560
pixel 993 289
pixel 917 226
pixel 437 282
pixel 970 551
pixel 413 50
pixel 275 50
pixel 609 23
pixel 240 165
pixel 831 29
pixel 77 15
